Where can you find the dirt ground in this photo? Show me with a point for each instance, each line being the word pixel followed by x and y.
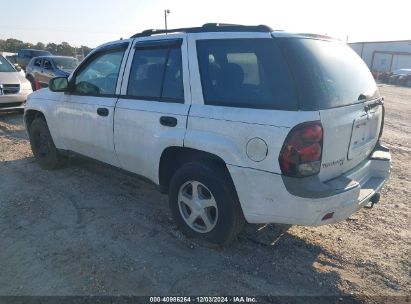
pixel 89 229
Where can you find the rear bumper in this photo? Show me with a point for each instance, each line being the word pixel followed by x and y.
pixel 269 198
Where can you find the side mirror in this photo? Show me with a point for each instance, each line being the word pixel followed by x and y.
pixel 17 67
pixel 59 84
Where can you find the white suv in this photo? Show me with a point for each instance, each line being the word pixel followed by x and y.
pixel 235 123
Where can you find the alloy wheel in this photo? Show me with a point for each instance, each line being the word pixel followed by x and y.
pixel 197 206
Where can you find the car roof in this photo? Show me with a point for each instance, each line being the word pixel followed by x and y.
pixel 207 28
pixel 260 31
pixel 34 50
pixel 225 28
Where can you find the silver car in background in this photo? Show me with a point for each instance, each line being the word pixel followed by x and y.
pixel 14 87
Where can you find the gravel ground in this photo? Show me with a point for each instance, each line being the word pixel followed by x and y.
pixel 89 229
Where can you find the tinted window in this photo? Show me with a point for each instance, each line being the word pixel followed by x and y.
pixel 156 74
pixel 37 62
pixel 47 64
pixel 248 73
pixel 328 74
pixel 99 76
pixel 173 77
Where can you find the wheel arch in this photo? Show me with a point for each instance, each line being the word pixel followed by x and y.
pixel 174 157
pixel 31 115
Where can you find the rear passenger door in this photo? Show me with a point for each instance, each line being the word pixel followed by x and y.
pixel 151 113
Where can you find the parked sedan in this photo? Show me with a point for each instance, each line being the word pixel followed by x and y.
pixel 41 69
pixel 392 77
pixel 404 80
pixel 14 88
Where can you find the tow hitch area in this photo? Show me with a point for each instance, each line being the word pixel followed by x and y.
pixel 374 200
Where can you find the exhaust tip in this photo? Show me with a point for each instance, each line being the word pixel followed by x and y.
pixel 373 200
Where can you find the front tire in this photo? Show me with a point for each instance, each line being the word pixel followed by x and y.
pixel 204 203
pixel 43 146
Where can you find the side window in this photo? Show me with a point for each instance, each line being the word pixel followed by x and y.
pixel 249 64
pixel 47 64
pixel 173 77
pixel 156 74
pixel 246 73
pixel 99 76
pixel 37 62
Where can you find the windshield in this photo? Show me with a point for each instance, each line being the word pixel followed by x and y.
pixel 328 74
pixel 66 63
pixel 5 66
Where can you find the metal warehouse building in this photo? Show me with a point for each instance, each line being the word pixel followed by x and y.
pixel 384 56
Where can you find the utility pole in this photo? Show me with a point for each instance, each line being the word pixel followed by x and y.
pixel 166 13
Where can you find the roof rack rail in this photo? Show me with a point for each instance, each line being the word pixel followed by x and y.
pixel 208 27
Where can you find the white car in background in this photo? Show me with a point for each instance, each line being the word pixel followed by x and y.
pixel 236 123
pixel 14 87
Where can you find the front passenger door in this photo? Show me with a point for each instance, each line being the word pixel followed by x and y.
pixel 86 112
pixel 37 67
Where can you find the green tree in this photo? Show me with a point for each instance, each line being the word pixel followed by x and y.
pixel 63 49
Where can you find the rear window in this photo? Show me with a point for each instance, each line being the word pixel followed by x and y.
pixel 328 74
pixel 248 73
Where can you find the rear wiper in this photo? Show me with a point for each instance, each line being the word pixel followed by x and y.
pixel 363 97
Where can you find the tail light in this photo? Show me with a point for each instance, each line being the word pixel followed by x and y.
pixel 302 150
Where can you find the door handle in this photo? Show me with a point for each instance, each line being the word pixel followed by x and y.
pixel 102 111
pixel 168 121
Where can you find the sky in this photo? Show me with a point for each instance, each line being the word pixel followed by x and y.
pixel 93 22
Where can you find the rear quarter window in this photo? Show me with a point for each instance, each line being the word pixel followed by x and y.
pixel 246 73
pixel 328 74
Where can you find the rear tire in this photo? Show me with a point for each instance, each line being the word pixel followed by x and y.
pixel 212 212
pixel 408 83
pixel 43 146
